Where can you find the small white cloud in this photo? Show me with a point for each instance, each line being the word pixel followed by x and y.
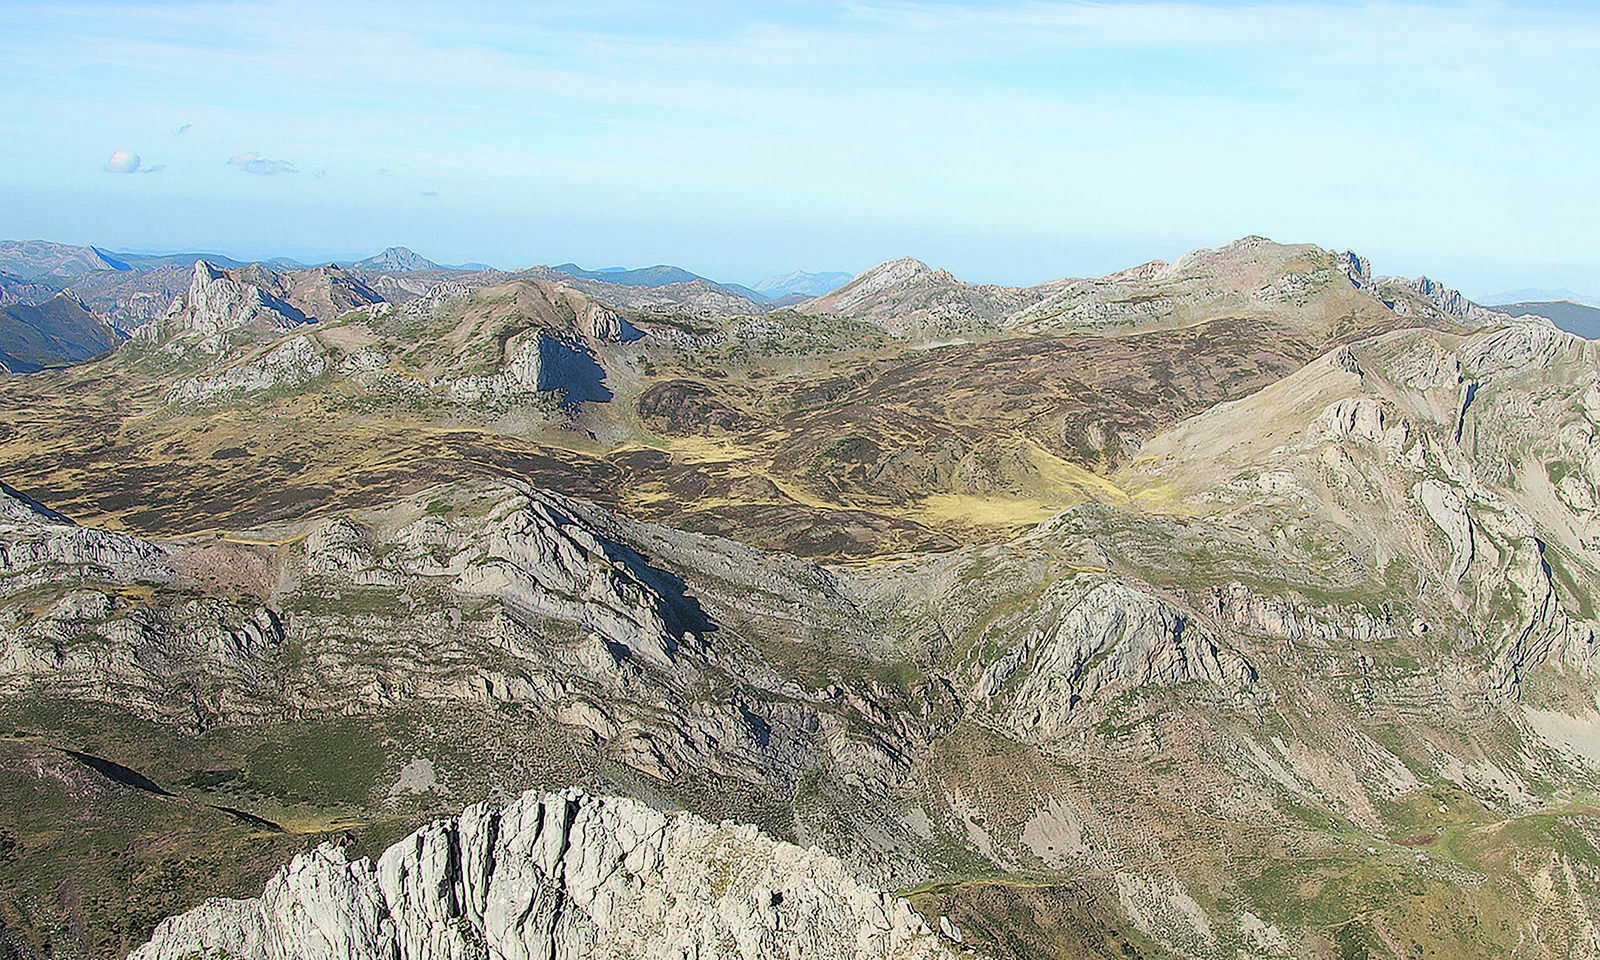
pixel 155 169
pixel 179 130
pixel 430 194
pixel 123 161
pixel 255 163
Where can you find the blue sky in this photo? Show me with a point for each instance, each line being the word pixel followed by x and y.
pixel 1010 142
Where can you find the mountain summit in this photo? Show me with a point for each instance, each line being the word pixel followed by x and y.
pixel 397 260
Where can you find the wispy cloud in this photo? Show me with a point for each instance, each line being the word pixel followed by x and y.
pixel 255 163
pixel 181 129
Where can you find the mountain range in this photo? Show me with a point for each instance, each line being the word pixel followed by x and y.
pixel 1238 606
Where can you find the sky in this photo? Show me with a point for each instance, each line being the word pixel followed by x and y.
pixel 1010 142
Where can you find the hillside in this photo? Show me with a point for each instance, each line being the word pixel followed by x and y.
pixel 56 332
pixel 1239 606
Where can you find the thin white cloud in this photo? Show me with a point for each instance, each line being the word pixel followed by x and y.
pixel 255 163
pixel 181 129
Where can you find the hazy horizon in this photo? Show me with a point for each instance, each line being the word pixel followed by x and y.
pixel 1012 143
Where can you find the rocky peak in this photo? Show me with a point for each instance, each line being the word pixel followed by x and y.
pixel 560 875
pixel 18 507
pixel 1450 302
pixel 215 305
pixel 397 260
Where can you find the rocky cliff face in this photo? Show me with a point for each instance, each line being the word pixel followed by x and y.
pixel 560 876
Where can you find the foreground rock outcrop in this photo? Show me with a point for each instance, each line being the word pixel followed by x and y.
pixel 562 875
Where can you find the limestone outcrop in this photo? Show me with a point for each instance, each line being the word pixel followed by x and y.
pixel 1114 637
pixel 292 363
pixel 559 876
pixel 214 306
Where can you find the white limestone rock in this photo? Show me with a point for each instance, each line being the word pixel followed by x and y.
pixel 38 545
pixel 214 306
pixel 293 363
pixel 539 559
pixel 1445 508
pixel 566 876
pixel 1117 637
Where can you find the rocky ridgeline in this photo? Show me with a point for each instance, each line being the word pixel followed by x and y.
pixel 1252 275
pixel 562 877
pixel 95 643
pixel 38 545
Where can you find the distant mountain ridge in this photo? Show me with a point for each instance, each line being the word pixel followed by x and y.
pixel 29 259
pixel 1511 298
pixel 660 275
pixel 1579 318
pixel 398 260
pixel 802 283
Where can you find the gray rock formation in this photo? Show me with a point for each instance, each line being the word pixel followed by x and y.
pixel 292 363
pixel 559 877
pixel 1447 301
pixel 1113 638
pixel 216 305
pixel 38 545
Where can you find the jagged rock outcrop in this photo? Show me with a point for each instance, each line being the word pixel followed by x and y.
pixel 38 545
pixel 1447 301
pixel 1113 637
pixel 292 363
pixel 559 877
pixel 17 507
pixel 96 644
pixel 215 305
pixel 538 559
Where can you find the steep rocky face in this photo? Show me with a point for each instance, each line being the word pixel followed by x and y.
pixel 1406 295
pixel 560 876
